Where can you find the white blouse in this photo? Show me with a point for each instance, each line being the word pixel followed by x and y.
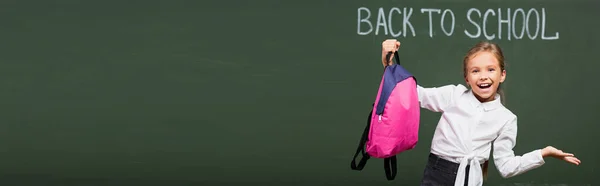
pixel 468 127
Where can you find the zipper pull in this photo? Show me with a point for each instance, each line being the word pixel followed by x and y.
pixel 379 117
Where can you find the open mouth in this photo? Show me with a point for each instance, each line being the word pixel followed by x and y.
pixel 484 85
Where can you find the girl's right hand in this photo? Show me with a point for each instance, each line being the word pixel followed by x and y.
pixel 389 45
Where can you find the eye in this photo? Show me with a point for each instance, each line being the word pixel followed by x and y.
pixel 475 71
pixel 492 69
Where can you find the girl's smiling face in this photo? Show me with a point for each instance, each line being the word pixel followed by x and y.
pixel 484 75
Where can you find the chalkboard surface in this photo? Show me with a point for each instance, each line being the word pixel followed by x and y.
pixel 272 92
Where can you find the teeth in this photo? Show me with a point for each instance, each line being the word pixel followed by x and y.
pixel 484 85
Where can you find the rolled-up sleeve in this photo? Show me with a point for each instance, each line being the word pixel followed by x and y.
pixel 505 160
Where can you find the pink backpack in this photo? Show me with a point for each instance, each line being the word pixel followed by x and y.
pixel 393 123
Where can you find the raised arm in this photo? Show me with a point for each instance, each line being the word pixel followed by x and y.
pixel 436 99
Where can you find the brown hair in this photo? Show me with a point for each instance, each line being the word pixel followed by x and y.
pixel 486 46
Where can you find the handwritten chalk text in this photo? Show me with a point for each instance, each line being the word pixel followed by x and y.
pixel 491 24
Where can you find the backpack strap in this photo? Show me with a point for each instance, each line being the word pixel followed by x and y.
pixel 396 57
pixel 390 164
pixel 390 167
pixel 361 147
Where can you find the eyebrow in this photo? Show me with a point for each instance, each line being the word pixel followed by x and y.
pixel 489 66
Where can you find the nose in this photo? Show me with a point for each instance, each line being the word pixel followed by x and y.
pixel 484 77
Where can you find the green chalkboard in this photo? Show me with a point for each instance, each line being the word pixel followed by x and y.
pixel 271 92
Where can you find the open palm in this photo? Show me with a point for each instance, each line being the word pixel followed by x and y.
pixel 559 154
